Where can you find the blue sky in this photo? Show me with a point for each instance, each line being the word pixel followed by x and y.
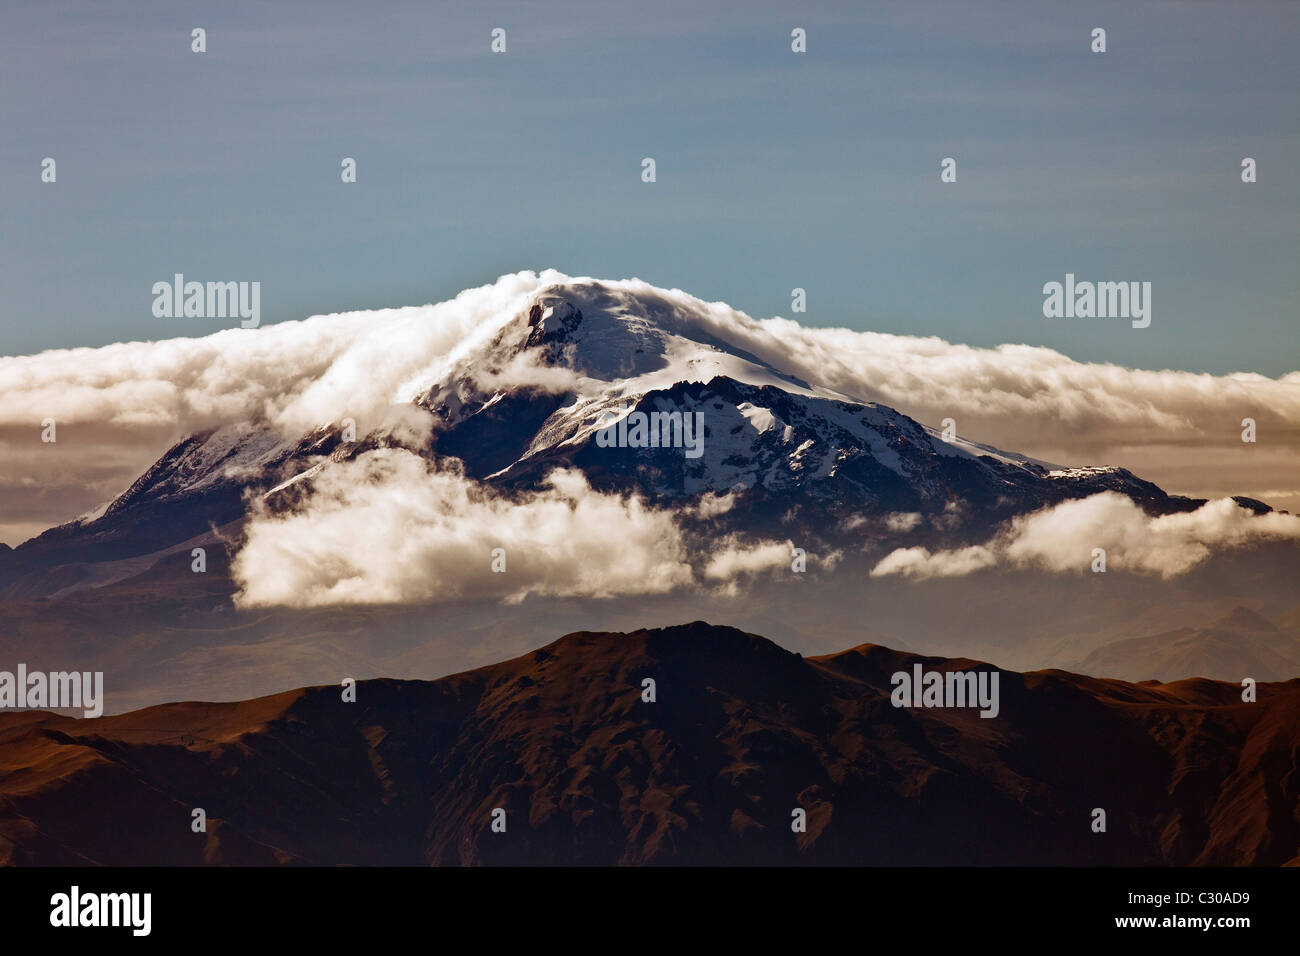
pixel 775 170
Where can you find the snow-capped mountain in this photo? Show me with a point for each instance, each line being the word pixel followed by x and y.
pixel 581 357
pixel 784 447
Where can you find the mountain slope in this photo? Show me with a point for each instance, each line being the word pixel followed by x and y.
pixel 741 733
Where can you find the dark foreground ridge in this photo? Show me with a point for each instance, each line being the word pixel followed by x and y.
pixel 741 734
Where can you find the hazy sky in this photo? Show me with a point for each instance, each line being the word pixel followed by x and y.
pixel 775 170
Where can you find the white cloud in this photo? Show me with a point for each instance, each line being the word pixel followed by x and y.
pixel 527 369
pixel 901 521
pixel 1024 394
pixel 388 527
pixel 1062 538
pixel 731 559
pixel 712 504
pixel 923 563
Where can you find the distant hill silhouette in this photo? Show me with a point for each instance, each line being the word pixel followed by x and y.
pixel 1239 644
pixel 742 732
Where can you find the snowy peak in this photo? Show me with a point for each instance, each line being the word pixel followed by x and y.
pixel 635 342
pixel 605 345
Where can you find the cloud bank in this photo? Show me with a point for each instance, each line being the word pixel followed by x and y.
pixel 389 527
pixel 1062 538
pixel 1179 429
pixel 119 407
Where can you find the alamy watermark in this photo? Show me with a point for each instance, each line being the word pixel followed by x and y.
pixel 56 690
pixel 638 429
pixel 211 300
pixel 75 909
pixel 1099 300
pixel 922 688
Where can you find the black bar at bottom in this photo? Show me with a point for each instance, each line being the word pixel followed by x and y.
pixel 334 905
